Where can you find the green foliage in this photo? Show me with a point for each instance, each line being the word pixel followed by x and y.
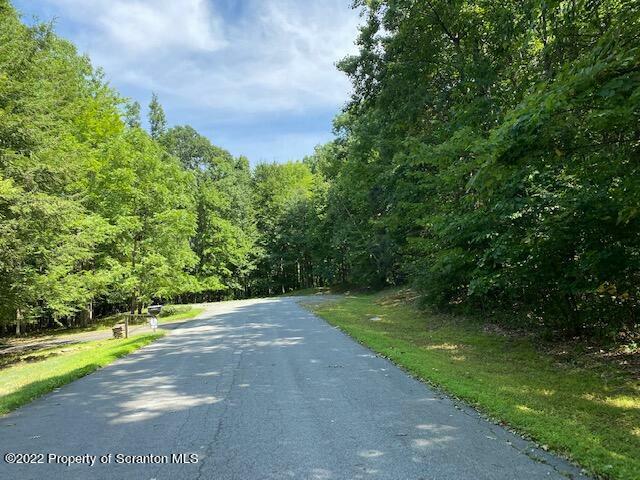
pixel 171 310
pixel 132 115
pixel 157 118
pixel 144 194
pixel 289 200
pixel 96 214
pixel 226 230
pixel 48 131
pixel 488 157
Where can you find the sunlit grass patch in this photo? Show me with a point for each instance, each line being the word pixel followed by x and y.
pixel 24 382
pixel 186 314
pixel 585 411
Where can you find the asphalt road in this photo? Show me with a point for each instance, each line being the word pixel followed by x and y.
pixel 262 389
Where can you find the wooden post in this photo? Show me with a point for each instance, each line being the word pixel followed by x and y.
pixel 126 326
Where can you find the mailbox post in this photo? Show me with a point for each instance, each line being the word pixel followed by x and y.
pixel 153 311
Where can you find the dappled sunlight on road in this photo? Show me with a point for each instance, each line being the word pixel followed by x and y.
pixel 321 474
pixel 150 384
pixel 152 404
pixel 370 453
pixel 264 389
pixel 435 429
pixel 423 443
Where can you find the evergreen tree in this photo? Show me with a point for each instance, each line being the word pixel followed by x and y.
pixel 132 115
pixel 157 118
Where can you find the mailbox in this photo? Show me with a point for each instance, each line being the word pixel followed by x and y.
pixel 154 309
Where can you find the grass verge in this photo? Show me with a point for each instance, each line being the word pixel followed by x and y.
pixel 183 312
pixel 54 367
pixel 192 312
pixel 588 413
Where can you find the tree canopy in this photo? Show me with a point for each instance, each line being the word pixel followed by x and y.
pixel 488 157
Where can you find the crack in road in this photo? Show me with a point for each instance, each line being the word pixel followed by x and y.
pixel 212 446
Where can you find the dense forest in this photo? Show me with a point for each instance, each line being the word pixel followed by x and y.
pixel 489 158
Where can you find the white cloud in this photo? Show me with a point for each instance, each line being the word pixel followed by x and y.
pixel 276 56
pixel 166 24
pixel 127 28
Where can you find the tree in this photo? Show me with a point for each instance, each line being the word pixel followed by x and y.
pixel 486 157
pixel 157 118
pixel 226 231
pixel 132 115
pixel 281 193
pixel 145 196
pixel 484 149
pixel 55 110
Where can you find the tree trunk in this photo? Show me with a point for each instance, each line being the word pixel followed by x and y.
pixel 282 276
pixel 86 315
pixel 132 304
pixel 132 311
pixel 18 321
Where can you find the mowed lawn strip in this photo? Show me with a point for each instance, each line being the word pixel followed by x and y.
pixel 52 368
pixel 184 312
pixel 590 414
pixel 181 316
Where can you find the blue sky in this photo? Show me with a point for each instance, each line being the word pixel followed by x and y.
pixel 255 76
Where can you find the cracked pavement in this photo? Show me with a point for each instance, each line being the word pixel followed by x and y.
pixel 263 389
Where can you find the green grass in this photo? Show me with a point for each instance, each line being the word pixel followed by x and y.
pixel 54 367
pixel 311 291
pixel 192 312
pixel 305 291
pixel 586 411
pixel 183 312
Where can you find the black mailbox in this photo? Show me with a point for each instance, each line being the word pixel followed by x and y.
pixel 154 309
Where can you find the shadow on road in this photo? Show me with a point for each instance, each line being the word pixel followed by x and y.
pixel 263 389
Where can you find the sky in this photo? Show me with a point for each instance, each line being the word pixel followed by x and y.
pixel 257 77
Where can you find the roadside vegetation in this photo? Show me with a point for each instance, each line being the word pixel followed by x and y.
pixel 73 357
pixel 169 314
pixel 569 399
pixel 178 313
pixel 304 292
pixel 34 374
pixel 487 158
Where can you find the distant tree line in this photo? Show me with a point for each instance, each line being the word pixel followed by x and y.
pixel 488 157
